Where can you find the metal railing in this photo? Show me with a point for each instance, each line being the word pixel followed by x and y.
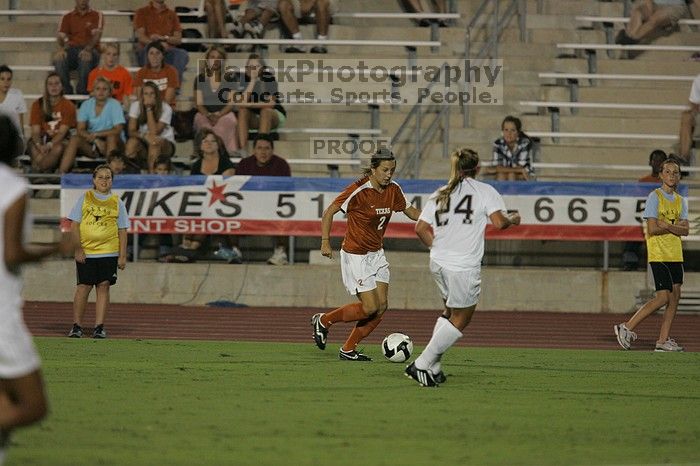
pixel 430 117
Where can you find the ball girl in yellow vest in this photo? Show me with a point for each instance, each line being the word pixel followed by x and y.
pixel 666 215
pixel 99 228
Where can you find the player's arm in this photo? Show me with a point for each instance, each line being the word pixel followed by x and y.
pixel 425 233
pixel 121 261
pixel 412 212
pixel 503 221
pixel 15 253
pixel 682 228
pixel 326 224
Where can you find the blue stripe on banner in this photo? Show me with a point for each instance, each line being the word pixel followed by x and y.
pixel 277 183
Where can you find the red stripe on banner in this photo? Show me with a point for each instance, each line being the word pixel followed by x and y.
pixel 395 230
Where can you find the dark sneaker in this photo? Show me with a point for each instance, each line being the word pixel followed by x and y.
pixel 319 49
pixel 425 378
pixel 352 356
pixel 76 331
pixel 295 49
pixel 320 332
pixel 440 377
pixel 99 332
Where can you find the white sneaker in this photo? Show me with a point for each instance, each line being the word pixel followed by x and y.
pixel 669 346
pixel 624 336
pixel 279 257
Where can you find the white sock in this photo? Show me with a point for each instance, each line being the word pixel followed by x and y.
pixel 443 338
pixel 321 37
pixel 436 367
pixel 297 35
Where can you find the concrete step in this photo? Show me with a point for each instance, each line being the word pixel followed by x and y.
pixel 671 96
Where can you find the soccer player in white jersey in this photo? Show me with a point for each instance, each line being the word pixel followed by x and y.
pixel 452 225
pixel 22 398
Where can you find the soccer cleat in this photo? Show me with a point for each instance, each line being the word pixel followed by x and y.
pixel 320 332
pixel 669 346
pixel 76 331
pixel 279 257
pixel 624 335
pixel 352 356
pixel 440 377
pixel 99 332
pixel 425 378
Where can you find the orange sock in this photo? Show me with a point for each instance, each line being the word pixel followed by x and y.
pixel 348 313
pixel 360 332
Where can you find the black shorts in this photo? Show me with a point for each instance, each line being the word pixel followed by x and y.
pixel 97 270
pixel 666 274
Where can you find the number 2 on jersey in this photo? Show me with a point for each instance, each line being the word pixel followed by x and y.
pixel 382 220
pixel 464 206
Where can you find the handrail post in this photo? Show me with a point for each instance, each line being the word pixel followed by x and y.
pixel 495 32
pixel 522 17
pixel 435 35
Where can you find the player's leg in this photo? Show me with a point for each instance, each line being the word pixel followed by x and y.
pixel 23 401
pixel 101 306
pixel 665 341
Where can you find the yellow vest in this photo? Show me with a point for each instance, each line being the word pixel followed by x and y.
pixel 98 227
pixel 666 247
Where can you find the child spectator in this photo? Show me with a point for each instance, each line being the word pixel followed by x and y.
pixel 78 40
pixel 116 73
pixel 99 228
pixel 213 97
pixel 150 133
pixel 100 125
pixel 51 118
pixel 116 161
pixel 159 72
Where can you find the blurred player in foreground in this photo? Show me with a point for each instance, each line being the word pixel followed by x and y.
pixel 22 397
pixel 452 225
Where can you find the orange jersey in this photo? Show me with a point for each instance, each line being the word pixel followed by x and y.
pixel 119 77
pixel 368 212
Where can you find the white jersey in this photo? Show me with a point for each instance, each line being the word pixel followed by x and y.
pixel 458 229
pixel 13 187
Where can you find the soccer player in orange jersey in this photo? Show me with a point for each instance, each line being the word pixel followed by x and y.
pixel 368 204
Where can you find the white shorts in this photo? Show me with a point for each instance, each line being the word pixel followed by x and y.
pixel 361 272
pixel 459 288
pixel 18 356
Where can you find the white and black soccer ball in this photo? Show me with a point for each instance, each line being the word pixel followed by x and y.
pixel 397 347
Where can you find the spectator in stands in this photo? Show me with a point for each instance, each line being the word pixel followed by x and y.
pixel 255 19
pixel 648 17
pixel 116 73
pixel 214 97
pixel 212 159
pixel 688 122
pixel 78 39
pixel 157 22
pixel 293 10
pixel 512 152
pixel 51 118
pixel 216 18
pixel 632 249
pixel 415 6
pixel 264 162
pixel 164 167
pixel 100 125
pixel 12 100
pixel 150 133
pixel 159 72
pixel 258 101
pixel 117 161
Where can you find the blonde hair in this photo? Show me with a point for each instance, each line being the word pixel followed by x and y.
pixel 463 163
pixel 102 79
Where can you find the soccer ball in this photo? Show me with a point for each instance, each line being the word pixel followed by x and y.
pixel 397 347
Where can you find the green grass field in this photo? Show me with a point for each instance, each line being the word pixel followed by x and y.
pixel 119 402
